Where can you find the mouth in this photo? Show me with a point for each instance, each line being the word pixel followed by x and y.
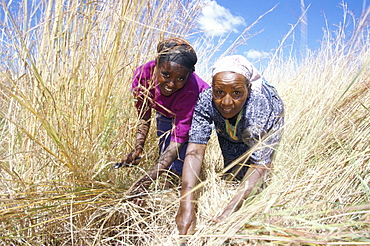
pixel 166 89
pixel 227 110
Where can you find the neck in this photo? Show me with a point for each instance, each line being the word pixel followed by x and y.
pixel 233 119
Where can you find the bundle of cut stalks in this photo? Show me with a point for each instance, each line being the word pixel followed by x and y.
pixel 66 115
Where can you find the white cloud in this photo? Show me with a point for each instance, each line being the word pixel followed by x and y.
pixel 255 54
pixel 216 20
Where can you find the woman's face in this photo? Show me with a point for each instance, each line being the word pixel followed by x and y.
pixel 230 91
pixel 171 77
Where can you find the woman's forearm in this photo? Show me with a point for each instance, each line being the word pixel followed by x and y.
pixel 252 178
pixel 142 133
pixel 185 218
pixel 165 159
pixel 133 158
pixel 191 170
pixel 247 187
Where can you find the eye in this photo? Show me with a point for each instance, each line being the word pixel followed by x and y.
pixel 218 93
pixel 165 75
pixel 237 94
pixel 181 79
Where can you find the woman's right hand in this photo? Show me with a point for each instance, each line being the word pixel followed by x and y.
pixel 133 158
pixel 186 219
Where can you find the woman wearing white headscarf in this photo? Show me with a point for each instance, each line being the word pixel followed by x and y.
pixel 248 115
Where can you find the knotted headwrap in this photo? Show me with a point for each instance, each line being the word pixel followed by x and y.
pixel 177 50
pixel 238 64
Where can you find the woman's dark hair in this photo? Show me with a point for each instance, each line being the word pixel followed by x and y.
pixel 177 50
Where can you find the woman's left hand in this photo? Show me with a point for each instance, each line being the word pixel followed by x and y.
pixel 138 190
pixel 227 211
pixel 253 176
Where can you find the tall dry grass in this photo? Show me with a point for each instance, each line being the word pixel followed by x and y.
pixel 319 190
pixel 67 115
pixel 66 110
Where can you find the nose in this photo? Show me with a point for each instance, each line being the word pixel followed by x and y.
pixel 170 83
pixel 227 101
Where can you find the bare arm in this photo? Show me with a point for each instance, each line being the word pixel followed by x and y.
pixel 141 134
pixel 165 160
pixel 185 218
pixel 254 174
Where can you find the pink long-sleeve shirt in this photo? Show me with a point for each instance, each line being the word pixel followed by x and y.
pixel 180 105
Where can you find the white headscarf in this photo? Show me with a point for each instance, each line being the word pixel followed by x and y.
pixel 239 64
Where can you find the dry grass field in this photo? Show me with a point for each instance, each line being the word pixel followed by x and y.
pixel 66 115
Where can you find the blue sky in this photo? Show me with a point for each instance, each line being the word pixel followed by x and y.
pixel 224 16
pixel 221 17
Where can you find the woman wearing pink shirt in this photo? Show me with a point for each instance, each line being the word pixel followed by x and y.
pixel 170 87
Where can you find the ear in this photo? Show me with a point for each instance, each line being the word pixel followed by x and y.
pixel 249 87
